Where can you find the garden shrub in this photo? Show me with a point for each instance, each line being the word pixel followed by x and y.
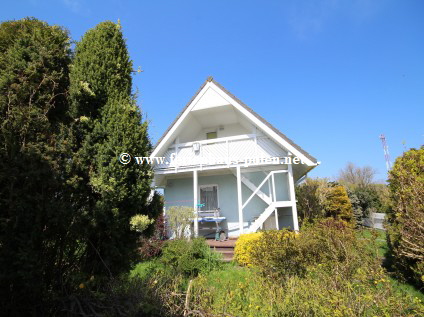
pixel 281 253
pixel 320 293
pixel 309 204
pixel 337 203
pixel 323 271
pixel 188 257
pixel 179 219
pixel 334 245
pixel 123 296
pixel 406 220
pixel 151 246
pixel 168 276
pixel 277 253
pixel 319 198
pixel 140 222
pixel 244 246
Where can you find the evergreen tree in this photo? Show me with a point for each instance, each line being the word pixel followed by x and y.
pixel 35 216
pixel 337 203
pixel 309 204
pixel 108 123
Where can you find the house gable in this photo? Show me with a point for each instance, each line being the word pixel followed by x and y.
pixel 213 106
pixel 210 98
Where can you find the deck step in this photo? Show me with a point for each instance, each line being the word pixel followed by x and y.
pixel 226 248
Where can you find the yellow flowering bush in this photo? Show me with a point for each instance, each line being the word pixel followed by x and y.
pixel 254 248
pixel 244 246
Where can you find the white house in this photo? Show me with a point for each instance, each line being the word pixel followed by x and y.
pixel 234 168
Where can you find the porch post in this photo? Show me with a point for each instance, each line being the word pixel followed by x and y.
pixel 239 198
pixel 277 225
pixel 195 202
pixel 293 198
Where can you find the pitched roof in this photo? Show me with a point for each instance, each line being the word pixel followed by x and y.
pixel 269 125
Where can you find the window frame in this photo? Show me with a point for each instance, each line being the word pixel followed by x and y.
pixel 217 194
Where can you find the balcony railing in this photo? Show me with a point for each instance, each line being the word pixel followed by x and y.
pixel 220 153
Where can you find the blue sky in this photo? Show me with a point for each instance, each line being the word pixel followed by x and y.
pixel 332 75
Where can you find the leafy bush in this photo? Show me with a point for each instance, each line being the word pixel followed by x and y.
pixel 179 219
pixel 309 204
pixel 406 220
pixel 140 222
pixel 150 247
pixel 188 257
pixel 368 199
pixel 168 276
pixel 334 245
pixel 319 198
pixel 280 254
pixel 244 247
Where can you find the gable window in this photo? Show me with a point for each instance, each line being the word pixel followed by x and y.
pixel 211 135
pixel 209 197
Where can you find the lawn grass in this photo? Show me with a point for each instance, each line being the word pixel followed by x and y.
pixel 377 239
pixel 380 245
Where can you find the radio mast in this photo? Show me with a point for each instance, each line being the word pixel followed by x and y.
pixel 386 152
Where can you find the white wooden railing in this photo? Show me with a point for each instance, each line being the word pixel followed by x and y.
pixel 228 151
pixel 273 201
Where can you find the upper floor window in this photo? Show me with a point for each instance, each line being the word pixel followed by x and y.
pixel 211 135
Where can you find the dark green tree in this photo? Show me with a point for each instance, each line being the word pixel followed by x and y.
pixel 365 195
pixel 365 200
pixel 36 219
pixel 309 204
pixel 108 123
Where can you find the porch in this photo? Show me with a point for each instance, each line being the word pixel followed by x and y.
pixel 241 199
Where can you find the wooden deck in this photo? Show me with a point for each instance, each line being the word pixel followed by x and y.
pixel 226 248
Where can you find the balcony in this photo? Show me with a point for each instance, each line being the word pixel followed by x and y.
pixel 218 153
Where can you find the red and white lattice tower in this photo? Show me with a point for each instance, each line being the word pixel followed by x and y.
pixel 386 152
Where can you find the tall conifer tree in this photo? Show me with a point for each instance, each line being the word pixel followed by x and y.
pixel 108 123
pixel 35 215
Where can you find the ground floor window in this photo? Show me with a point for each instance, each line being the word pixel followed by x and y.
pixel 209 197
